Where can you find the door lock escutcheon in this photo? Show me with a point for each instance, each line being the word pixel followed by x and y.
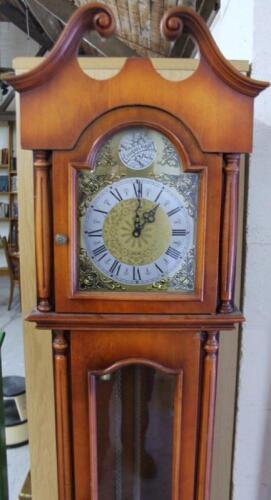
pixel 61 239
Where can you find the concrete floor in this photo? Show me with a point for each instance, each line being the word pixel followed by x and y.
pixel 13 364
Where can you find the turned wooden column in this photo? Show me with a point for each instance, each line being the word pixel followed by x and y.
pixel 229 232
pixel 210 348
pixel 63 425
pixel 43 229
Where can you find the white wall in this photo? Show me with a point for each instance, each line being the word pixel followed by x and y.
pixel 242 30
pixel 233 28
pixel 14 43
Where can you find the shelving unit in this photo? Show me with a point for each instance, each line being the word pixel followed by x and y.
pixel 8 193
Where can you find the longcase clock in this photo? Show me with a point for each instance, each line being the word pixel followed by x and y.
pixel 136 198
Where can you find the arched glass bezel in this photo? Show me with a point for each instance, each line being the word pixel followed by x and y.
pixel 163 256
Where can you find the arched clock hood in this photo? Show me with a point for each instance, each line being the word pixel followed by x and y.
pixel 216 89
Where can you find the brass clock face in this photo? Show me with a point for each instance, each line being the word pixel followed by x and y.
pixel 137 231
pixel 137 215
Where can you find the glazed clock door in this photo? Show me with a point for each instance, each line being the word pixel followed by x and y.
pixel 135 414
pixel 131 209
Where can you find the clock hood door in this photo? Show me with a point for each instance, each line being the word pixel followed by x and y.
pixel 136 218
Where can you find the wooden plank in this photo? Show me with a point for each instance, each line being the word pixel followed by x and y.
pixel 145 22
pixel 38 348
pixel 157 12
pixel 125 27
pixel 133 10
pixel 112 4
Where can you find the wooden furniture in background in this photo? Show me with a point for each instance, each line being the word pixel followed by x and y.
pixel 8 197
pixel 13 262
pixel 86 327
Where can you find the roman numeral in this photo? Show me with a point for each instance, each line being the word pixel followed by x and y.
pixel 103 256
pixel 97 233
pixel 115 266
pixel 174 211
pixel 172 252
pixel 116 194
pixel 179 232
pixel 159 194
pixel 99 250
pixel 101 211
pixel 138 188
pixel 136 274
pixel 159 268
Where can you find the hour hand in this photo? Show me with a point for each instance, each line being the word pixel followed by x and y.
pixel 149 216
pixel 137 225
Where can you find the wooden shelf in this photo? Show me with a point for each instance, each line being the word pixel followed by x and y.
pixel 10 197
pixel 4 219
pixel 8 192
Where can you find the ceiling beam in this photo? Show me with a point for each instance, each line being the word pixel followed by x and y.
pixel 42 51
pixel 7 101
pixel 51 26
pixel 207 9
pixel 111 47
pixel 17 17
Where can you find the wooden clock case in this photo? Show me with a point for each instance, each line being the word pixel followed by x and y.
pixel 65 116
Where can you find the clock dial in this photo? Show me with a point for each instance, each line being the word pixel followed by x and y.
pixel 137 149
pixel 137 231
pixel 137 216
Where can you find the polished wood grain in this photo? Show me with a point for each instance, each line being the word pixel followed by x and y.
pixel 64 442
pixel 43 229
pixel 191 100
pixel 58 321
pixel 176 19
pixel 93 436
pixel 208 394
pixel 65 167
pixel 93 351
pixel 229 232
pixel 177 438
pixel 177 429
pixel 39 375
pixel 106 329
pixel 39 338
